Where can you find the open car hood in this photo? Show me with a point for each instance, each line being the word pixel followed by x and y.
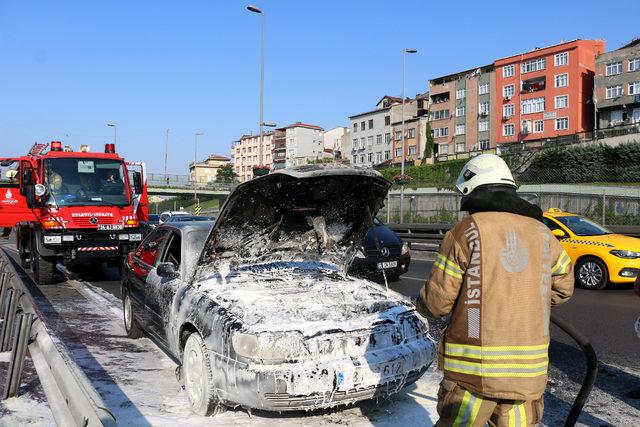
pixel 307 213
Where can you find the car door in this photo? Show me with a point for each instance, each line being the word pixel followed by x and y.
pixel 13 203
pixel 160 291
pixel 566 242
pixel 141 262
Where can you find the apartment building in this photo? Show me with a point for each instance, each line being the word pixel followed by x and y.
pixel 245 154
pixel 546 92
pixel 207 170
pixel 332 140
pixel 461 106
pixel 303 143
pixel 371 139
pixel 617 87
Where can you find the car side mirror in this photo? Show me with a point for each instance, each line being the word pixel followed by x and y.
pixel 137 182
pixel 559 233
pixel 167 269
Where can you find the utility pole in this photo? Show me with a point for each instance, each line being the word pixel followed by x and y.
pixel 166 154
pixel 256 9
pixel 404 56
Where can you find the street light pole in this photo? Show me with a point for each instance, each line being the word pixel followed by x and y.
pixel 195 170
pixel 166 154
pixel 115 132
pixel 256 9
pixel 404 66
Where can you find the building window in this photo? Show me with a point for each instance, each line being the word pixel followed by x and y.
pixel 398 152
pixel 248 149
pixel 443 148
pixel 412 133
pixel 635 115
pixel 483 107
pixel 379 139
pixel 362 143
pixel 483 125
pixel 562 101
pixel 508 130
pixel 361 125
pixel 460 147
pixel 614 91
pixel 614 68
pixel 440 132
pixel 354 144
pixel 483 89
pixel 634 64
pixel 526 126
pixel 562 123
pixel 398 135
pixel 634 88
pixel 508 70
pixel 387 155
pixel 460 129
pixel 615 117
pixel 355 127
pixel 361 158
pixel 461 93
pixel 561 59
pixel 369 157
pixel 460 111
pixel 533 105
pixel 508 110
pixel 412 150
pixel 538 126
pixel 484 144
pixel 508 91
pixel 387 137
pixel 370 123
pixel 534 65
pixel 355 159
pixel 439 114
pixel 387 120
pixel 562 80
pixel 378 156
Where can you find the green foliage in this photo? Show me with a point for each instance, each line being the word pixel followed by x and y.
pixel 441 175
pixel 428 146
pixel 584 164
pixel 226 174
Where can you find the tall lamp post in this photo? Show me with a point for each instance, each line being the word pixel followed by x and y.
pixel 256 9
pixel 195 170
pixel 166 155
pixel 404 60
pixel 115 132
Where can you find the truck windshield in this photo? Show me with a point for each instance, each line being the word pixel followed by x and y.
pixel 95 182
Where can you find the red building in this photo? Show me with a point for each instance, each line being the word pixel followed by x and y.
pixel 546 92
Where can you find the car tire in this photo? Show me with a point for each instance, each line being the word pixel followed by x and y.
pixel 42 267
pixel 198 378
pixel 130 324
pixel 591 273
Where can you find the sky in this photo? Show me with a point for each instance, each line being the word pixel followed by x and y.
pixel 68 68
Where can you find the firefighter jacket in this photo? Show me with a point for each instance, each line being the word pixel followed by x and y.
pixel 498 274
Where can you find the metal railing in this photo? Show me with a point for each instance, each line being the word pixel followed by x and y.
pixel 185 182
pixel 72 399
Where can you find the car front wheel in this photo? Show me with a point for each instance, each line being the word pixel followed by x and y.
pixel 198 378
pixel 591 273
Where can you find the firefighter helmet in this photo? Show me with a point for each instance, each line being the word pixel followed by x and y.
pixel 482 170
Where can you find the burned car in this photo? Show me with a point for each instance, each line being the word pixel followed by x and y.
pixel 262 314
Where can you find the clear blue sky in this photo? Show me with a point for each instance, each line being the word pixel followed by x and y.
pixel 68 68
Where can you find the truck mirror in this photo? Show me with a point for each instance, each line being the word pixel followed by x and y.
pixel 30 195
pixel 40 190
pixel 137 182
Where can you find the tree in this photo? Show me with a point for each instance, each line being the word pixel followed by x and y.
pixel 226 174
pixel 428 146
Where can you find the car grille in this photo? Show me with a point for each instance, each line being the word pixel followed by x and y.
pixel 285 400
pixel 341 345
pixel 85 221
pixel 394 250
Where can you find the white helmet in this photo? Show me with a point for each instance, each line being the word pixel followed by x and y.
pixel 481 170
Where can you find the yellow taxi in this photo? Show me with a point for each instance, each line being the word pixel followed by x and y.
pixel 599 255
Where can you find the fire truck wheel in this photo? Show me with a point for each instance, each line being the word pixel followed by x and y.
pixel 42 267
pixel 25 261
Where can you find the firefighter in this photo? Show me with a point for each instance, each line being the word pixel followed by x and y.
pixel 498 273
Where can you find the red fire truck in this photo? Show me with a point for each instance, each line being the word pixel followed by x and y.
pixel 73 206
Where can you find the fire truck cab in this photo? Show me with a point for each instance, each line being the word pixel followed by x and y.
pixel 72 206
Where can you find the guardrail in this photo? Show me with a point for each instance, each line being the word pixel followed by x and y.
pixel 428 237
pixel 72 398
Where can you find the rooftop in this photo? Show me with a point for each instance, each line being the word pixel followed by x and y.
pixel 301 125
pixel 461 74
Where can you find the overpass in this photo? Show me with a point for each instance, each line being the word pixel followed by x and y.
pixel 177 185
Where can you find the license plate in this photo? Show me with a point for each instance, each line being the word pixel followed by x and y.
pixel 366 377
pixel 387 264
pixel 110 227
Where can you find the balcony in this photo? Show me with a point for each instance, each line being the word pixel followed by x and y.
pixel 534 85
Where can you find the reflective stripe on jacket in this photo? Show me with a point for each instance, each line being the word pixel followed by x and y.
pixel 498 274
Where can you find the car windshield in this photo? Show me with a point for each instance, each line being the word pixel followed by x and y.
pixel 183 218
pixel 94 182
pixel 581 226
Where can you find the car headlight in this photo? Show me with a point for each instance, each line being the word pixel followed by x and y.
pixel 272 346
pixel 405 248
pixel 360 254
pixel 625 254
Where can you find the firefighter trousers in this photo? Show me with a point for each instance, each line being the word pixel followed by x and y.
pixel 460 407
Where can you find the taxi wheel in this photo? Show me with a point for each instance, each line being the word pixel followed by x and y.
pixel 591 273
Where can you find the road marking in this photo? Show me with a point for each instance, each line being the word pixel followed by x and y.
pixel 421 279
